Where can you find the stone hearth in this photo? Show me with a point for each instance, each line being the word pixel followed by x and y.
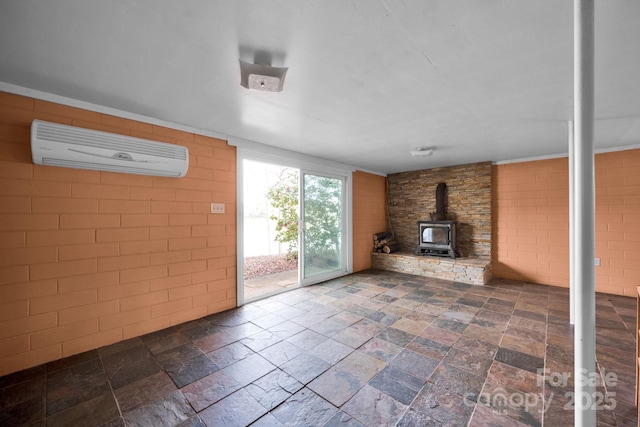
pixel 473 271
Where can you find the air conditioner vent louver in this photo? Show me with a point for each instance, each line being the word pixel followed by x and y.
pixel 88 138
pixel 107 168
pixel 67 146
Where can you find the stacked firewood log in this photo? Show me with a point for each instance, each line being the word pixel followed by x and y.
pixel 385 242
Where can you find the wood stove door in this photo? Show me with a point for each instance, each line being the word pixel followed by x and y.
pixel 322 227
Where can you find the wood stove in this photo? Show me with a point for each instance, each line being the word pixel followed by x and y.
pixel 436 238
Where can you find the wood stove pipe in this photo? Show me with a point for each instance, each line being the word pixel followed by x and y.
pixel 439 214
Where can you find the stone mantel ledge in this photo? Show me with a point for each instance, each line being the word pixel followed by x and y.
pixel 473 271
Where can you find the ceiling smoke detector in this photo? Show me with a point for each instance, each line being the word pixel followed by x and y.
pixel 421 152
pixel 264 78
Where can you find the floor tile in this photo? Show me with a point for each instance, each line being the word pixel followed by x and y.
pixel 347 318
pixel 229 354
pixel 241 331
pixel 168 411
pixel 67 362
pixel 413 418
pixel 343 420
pixel 520 360
pixel 372 348
pixel 528 324
pixel 476 347
pixel 471 362
pixel 200 330
pixel 100 410
pixel 210 389
pixel 533 315
pixel 411 326
pixel 458 313
pixel 261 340
pixel 25 391
pixel 268 321
pixel 188 371
pixel 305 408
pixel 372 407
pixel 227 319
pixel 457 380
pixel 251 311
pixel 398 384
pixel 489 335
pixel 443 406
pixel 30 412
pixel 305 367
pixel 331 351
pixel 307 339
pixel 441 335
pixel 415 364
pixel 361 365
pixel 267 420
pixel 381 349
pixel 494 318
pixel 281 353
pixel 129 366
pixel 286 329
pixel 396 336
pixel 178 355
pixel 336 386
pixel 472 301
pixel 238 409
pixel 214 341
pixel 328 327
pixel 524 407
pixel 289 312
pixel 486 416
pixel 510 376
pixel 167 342
pixel 523 345
pixel 519 331
pixel 144 391
pixel 274 388
pixel 77 384
pixel 119 347
pixel 249 369
pixel 368 327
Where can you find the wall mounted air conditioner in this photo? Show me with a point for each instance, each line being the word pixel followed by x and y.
pixel 72 147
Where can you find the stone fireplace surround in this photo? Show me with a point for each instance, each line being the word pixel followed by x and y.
pixel 411 197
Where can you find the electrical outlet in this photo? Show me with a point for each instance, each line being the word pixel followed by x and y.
pixel 217 208
pixel 597 262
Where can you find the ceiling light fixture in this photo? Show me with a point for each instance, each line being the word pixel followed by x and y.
pixel 260 77
pixel 421 152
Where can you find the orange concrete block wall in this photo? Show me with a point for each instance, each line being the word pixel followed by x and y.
pixel 369 215
pixel 88 258
pixel 531 221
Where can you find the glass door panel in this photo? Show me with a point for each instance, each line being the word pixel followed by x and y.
pixel 322 224
pixel 270 219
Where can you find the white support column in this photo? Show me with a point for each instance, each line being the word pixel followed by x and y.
pixel 572 227
pixel 584 209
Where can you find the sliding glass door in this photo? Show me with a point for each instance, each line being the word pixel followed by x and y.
pixel 322 227
pixel 294 211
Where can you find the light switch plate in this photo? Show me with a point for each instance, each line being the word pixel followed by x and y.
pixel 217 208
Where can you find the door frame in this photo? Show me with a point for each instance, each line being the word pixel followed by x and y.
pixel 261 153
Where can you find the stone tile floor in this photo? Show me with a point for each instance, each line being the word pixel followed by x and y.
pixel 374 348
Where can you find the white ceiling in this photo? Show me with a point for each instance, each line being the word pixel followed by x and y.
pixel 368 80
